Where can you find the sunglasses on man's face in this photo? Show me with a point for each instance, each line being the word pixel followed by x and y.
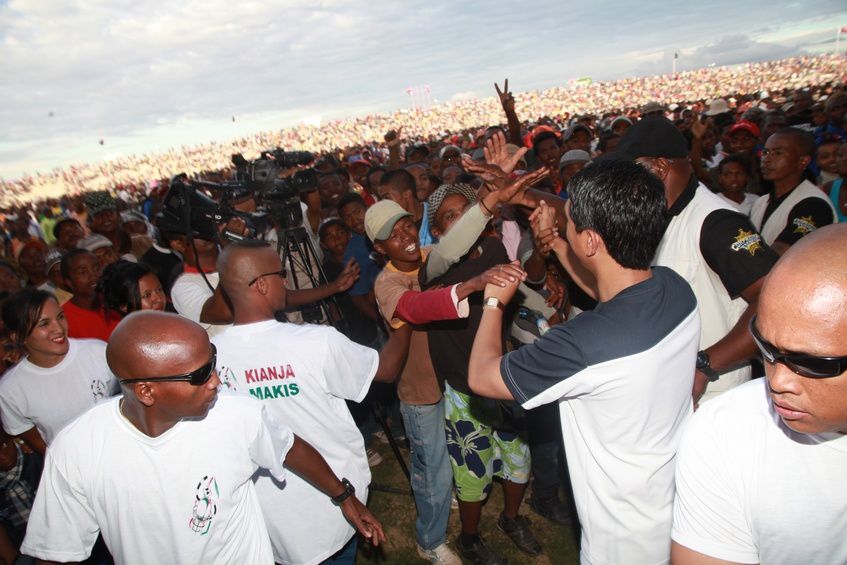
pixel 801 363
pixel 197 377
pixel 280 273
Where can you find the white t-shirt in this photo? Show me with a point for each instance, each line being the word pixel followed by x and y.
pixel 303 374
pixel 745 206
pixel 751 490
pixel 185 497
pixel 49 399
pixel 188 295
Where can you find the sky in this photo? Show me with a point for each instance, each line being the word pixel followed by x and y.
pixel 151 75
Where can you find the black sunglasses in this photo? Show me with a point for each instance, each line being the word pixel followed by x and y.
pixel 282 273
pixel 801 363
pixel 198 377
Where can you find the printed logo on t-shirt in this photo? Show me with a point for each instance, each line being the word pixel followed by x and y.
pixel 748 241
pixel 227 378
pixel 98 390
pixel 267 380
pixel 804 225
pixel 205 505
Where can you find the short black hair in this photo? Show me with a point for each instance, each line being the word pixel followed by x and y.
pixel 536 141
pixel 804 140
pixel 739 158
pixel 349 198
pixel 328 224
pixel 399 179
pixel 21 311
pixel 119 285
pixel 65 265
pixel 60 225
pixel 625 204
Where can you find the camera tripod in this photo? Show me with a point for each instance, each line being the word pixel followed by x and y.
pixel 297 252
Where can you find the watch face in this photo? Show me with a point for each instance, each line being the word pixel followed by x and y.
pixel 702 359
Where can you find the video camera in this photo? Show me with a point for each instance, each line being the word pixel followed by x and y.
pixel 187 209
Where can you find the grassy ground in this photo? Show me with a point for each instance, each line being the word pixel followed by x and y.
pixel 397 514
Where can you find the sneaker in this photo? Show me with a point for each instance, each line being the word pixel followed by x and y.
pixel 441 555
pixel 479 554
pixel 374 458
pixel 519 532
pixel 551 508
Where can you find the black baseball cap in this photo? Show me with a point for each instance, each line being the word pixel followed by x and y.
pixel 655 136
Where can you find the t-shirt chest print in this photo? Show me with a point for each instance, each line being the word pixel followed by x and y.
pixel 265 383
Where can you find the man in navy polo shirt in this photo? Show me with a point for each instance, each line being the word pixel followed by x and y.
pixel 621 373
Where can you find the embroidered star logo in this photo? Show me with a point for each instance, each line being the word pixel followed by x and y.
pixel 748 241
pixel 804 225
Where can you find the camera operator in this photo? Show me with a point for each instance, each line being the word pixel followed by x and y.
pixel 196 294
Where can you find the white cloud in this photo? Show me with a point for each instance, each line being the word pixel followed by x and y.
pixel 136 73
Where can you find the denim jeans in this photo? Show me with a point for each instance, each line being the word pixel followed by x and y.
pixel 432 478
pixel 344 556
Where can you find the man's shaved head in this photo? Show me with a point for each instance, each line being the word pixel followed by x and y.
pixel 238 264
pixel 246 261
pixel 803 309
pixel 150 344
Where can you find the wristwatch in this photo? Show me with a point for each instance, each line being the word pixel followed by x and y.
pixel 349 489
pixel 493 302
pixel 704 367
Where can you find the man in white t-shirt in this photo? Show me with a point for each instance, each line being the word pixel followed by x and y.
pixel 760 471
pixel 164 472
pixel 302 374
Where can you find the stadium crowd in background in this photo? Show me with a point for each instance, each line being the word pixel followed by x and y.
pixel 598 261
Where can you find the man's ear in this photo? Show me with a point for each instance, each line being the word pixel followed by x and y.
pixel 435 231
pixel 145 393
pixel 379 248
pixel 805 160
pixel 593 241
pixel 660 167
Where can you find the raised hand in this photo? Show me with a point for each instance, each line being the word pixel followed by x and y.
pixel 496 153
pixel 698 128
pixel 347 277
pixel 392 137
pixel 492 175
pixel 506 98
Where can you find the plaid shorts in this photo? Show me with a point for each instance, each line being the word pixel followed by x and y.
pixel 481 446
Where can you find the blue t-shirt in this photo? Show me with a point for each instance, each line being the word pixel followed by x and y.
pixel 359 250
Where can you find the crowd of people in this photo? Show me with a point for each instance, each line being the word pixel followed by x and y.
pixel 139 173
pixel 638 308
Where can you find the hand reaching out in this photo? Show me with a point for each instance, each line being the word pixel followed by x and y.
pixel 496 153
pixel 347 277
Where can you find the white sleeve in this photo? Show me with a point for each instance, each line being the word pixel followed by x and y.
pixel 62 525
pixel 188 298
pixel 11 401
pixel 348 367
pixel 708 513
pixel 271 443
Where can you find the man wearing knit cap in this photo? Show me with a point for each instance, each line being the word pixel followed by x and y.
pixel 570 164
pixel 713 246
pixel 103 219
pixel 479 434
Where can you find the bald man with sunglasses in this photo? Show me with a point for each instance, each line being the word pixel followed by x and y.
pixel 164 471
pixel 760 472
